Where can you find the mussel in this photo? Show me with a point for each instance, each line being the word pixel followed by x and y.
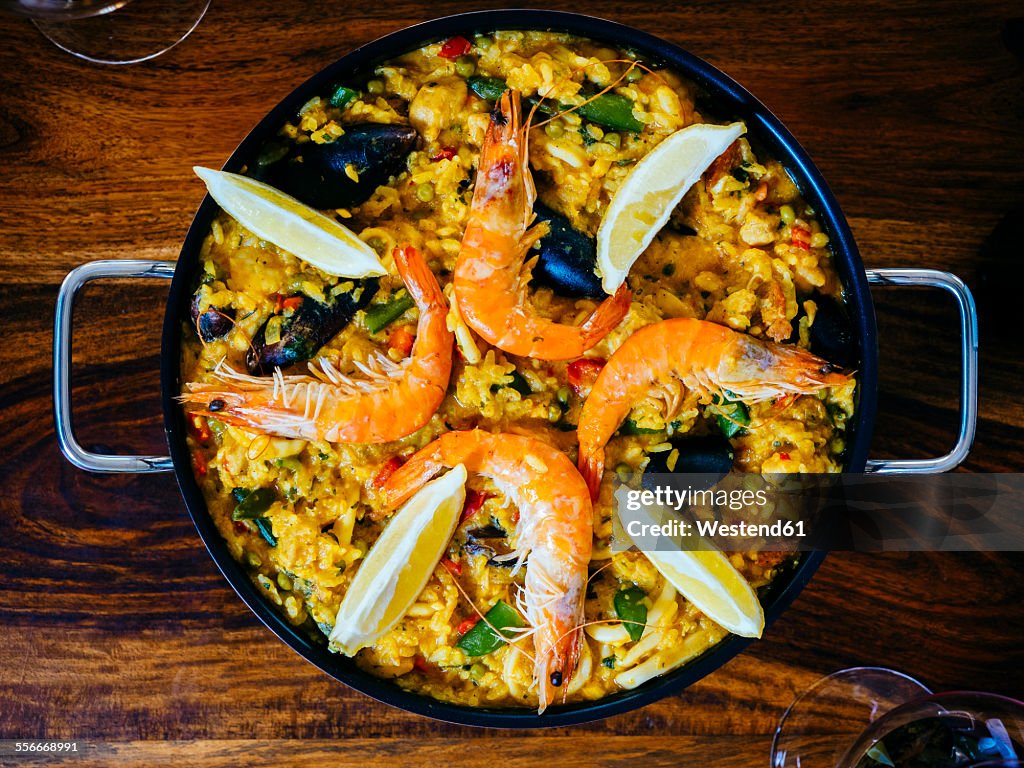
pixel 321 175
pixel 213 323
pixel 567 259
pixel 311 325
pixel 709 455
pixel 489 541
pixel 831 333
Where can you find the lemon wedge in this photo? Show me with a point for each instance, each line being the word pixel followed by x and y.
pixel 641 206
pixel 399 564
pixel 705 577
pixel 290 225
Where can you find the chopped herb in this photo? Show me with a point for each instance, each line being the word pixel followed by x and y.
pixel 608 661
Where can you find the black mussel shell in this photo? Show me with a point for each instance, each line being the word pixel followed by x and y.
pixel 213 323
pixel 832 333
pixel 311 326
pixel 709 455
pixel 316 173
pixel 567 259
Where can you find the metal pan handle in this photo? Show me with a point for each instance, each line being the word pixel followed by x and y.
pixel 69 446
pixel 933 278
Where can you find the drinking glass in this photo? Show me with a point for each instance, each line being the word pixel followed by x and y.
pixel 871 717
pixel 113 31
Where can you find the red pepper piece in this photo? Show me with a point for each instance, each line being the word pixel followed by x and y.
pixel 452 49
pixel 801 238
pixel 467 625
pixel 199 463
pixel 446 153
pixel 583 372
pixel 402 340
pixel 784 456
pixel 198 428
pixel 387 469
pixel 452 565
pixel 474 500
pixel 421 664
pixel 292 302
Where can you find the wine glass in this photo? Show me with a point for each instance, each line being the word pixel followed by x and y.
pixel 871 717
pixel 113 31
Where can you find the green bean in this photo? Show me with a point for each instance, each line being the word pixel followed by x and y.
pixel 379 316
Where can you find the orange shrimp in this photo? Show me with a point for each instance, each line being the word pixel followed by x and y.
pixel 555 531
pixel 706 358
pixel 395 399
pixel 490 286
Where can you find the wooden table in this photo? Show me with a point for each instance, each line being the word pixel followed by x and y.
pixel 115 627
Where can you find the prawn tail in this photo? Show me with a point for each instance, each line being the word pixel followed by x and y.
pixel 418 279
pixel 607 315
pixel 412 476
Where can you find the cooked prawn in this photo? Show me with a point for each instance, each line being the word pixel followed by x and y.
pixel 393 401
pixel 490 284
pixel 706 358
pixel 555 532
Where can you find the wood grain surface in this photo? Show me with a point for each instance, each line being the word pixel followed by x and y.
pixel 116 629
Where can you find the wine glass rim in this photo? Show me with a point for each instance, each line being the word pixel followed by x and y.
pixel 938 697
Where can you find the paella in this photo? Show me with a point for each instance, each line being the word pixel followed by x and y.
pixel 449 307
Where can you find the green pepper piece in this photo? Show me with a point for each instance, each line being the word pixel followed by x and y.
pixel 263 525
pixel 631 611
pixel 731 416
pixel 630 428
pixel 611 110
pixel 481 639
pixel 489 88
pixel 379 316
pixel 253 504
pixel 343 96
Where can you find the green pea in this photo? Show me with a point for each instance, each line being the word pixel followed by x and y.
pixel 483 42
pixel 376 243
pixel 284 582
pixel 253 560
pixel 477 671
pixel 564 397
pixel 554 130
pixel 787 214
pixel 614 139
pixel 425 192
pixel 634 75
pixel 376 87
pixel 465 66
pixel 624 472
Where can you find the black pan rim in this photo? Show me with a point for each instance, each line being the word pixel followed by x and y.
pixel 741 104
